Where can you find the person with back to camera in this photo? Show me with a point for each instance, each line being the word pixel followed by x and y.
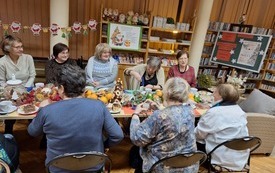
pixel 102 69
pixel 182 69
pixel 74 124
pixel 166 132
pixel 224 121
pixel 60 57
pixel 150 75
pixel 15 63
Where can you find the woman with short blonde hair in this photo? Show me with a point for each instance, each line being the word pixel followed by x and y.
pixel 101 70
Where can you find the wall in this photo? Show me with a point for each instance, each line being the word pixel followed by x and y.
pixel 259 13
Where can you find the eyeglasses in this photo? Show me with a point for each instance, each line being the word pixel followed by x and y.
pixel 18 47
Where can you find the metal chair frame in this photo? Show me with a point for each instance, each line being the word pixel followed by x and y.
pixel 244 143
pixel 181 160
pixel 4 165
pixel 81 161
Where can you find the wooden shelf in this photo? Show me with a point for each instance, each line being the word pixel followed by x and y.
pixel 267 90
pixel 175 31
pixel 269 80
pixel 167 42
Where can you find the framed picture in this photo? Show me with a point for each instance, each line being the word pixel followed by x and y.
pixel 240 50
pixel 126 37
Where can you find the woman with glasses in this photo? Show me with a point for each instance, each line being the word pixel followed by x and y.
pixel 59 58
pixel 101 70
pixel 15 62
pixel 182 69
pixel 150 75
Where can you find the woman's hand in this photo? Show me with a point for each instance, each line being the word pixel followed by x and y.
pixel 95 84
pixel 45 103
pixel 136 75
pixel 149 86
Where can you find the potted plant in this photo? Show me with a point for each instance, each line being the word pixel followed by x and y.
pixel 204 81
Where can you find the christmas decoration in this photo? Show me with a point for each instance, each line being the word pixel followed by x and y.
pixel 36 28
pixel 15 26
pixel 92 24
pixel 77 27
pixel 54 29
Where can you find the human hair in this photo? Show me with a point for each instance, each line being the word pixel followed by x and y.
pixel 176 89
pixel 228 93
pixel 100 48
pixel 59 47
pixel 7 43
pixel 154 62
pixel 73 79
pixel 182 52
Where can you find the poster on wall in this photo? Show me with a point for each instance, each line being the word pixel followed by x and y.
pixel 126 37
pixel 240 50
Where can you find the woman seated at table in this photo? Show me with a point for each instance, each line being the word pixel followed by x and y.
pixel 150 75
pixel 74 124
pixel 166 132
pixel 101 70
pixel 224 121
pixel 182 69
pixel 59 58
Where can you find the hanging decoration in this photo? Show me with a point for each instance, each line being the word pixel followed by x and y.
pixel 15 26
pixel 92 24
pixel 36 28
pixel 77 27
pixel 54 29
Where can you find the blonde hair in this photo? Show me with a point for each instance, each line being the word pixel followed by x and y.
pixel 176 89
pixel 102 47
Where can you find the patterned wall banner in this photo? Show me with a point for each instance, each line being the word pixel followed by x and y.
pixel 240 50
pixel 35 28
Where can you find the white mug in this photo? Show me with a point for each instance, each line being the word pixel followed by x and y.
pixel 39 85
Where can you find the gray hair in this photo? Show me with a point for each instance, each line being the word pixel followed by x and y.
pixel 228 92
pixel 154 62
pixel 102 47
pixel 73 79
pixel 176 89
pixel 7 43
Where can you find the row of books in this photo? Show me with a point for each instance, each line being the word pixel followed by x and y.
pixel 272 55
pixel 128 58
pixel 249 85
pixel 207 49
pixel 207 71
pixel 216 26
pixel 205 61
pixel 210 37
pixel 251 75
pixel 268 87
pixel 271 66
pixel 269 76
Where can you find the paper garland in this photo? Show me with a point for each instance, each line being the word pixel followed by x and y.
pixel 36 28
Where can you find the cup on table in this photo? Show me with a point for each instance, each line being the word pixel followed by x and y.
pixel 5 106
pixel 39 85
pixel 194 90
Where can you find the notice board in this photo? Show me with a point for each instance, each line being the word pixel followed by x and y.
pixel 240 50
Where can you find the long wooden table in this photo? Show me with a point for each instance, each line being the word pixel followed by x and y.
pixel 126 112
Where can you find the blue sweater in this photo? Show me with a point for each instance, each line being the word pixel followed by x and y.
pixel 75 125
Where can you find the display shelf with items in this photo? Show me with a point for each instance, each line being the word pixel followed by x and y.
pixel 267 83
pixel 167 37
pixel 125 54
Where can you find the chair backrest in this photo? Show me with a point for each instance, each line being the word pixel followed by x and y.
pixel 80 161
pixel 244 143
pixel 181 160
pixel 4 166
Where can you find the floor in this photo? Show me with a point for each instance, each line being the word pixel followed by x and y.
pixel 32 157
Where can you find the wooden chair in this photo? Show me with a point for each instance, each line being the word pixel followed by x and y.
pixel 181 160
pixel 4 167
pixel 80 162
pixel 248 142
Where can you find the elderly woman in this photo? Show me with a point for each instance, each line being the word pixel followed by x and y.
pixel 166 132
pixel 150 75
pixel 60 57
pixel 183 70
pixel 101 70
pixel 60 120
pixel 15 62
pixel 224 121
